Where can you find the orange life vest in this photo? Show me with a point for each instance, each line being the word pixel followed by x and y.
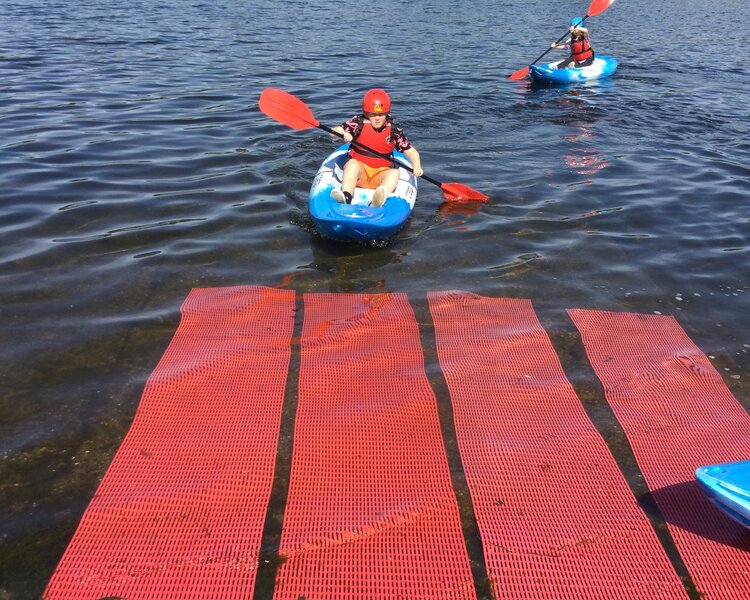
pixel 580 49
pixel 380 141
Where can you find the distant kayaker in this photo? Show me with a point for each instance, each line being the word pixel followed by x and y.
pixel 375 129
pixel 581 53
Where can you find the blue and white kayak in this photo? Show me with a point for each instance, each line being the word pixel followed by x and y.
pixel 727 485
pixel 603 66
pixel 358 221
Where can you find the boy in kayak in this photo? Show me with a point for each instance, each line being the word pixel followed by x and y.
pixel 375 129
pixel 581 53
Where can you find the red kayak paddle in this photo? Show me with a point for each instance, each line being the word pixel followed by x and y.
pixel 291 111
pixel 597 7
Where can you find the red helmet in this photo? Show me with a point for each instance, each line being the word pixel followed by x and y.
pixel 376 101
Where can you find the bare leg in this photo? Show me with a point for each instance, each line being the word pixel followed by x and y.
pixel 390 180
pixel 352 171
pixel 388 183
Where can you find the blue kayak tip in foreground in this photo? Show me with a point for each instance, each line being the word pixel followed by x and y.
pixel 358 221
pixel 727 486
pixel 603 66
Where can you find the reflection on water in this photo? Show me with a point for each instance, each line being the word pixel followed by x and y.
pixel 578 115
pixel 350 267
pixel 583 157
pixel 458 213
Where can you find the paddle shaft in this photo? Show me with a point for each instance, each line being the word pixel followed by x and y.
pixel 291 111
pixel 380 154
pixel 564 35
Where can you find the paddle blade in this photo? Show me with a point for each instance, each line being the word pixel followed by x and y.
pixel 597 7
pixel 520 74
pixel 287 109
pixel 458 192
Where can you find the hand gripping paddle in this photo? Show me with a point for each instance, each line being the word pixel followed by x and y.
pixel 291 111
pixel 597 7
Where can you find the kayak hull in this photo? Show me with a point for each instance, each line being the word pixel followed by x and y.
pixel 603 66
pixel 727 486
pixel 358 221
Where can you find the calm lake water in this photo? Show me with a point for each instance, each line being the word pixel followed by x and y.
pixel 136 166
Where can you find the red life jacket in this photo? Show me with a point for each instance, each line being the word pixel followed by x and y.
pixel 379 141
pixel 580 49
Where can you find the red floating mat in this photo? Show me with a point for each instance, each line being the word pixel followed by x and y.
pixel 556 517
pixel 371 513
pixel 180 511
pixel 678 415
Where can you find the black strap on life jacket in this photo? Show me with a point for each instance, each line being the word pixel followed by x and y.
pixel 361 123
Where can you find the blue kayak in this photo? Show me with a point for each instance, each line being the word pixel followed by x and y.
pixel 358 221
pixel 727 485
pixel 603 66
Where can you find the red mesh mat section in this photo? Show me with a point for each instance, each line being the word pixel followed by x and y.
pixel 678 415
pixel 371 513
pixel 180 511
pixel 556 517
